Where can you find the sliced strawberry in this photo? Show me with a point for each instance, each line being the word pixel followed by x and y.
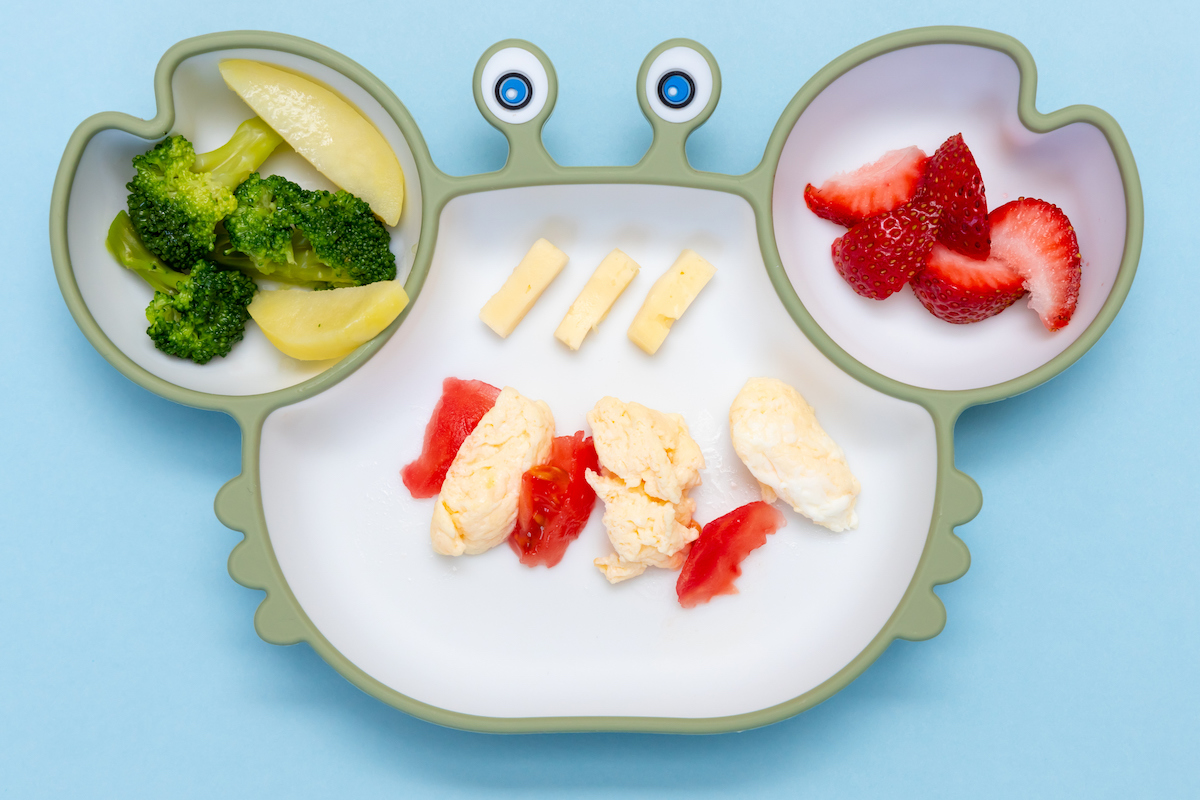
pixel 1036 240
pixel 959 289
pixel 878 256
pixel 953 184
pixel 848 198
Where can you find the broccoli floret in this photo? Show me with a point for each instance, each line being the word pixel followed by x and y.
pixel 174 209
pixel 265 218
pixel 322 239
pixel 177 198
pixel 345 234
pixel 197 316
pixel 205 317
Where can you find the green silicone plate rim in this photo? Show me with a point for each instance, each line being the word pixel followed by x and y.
pixel 280 619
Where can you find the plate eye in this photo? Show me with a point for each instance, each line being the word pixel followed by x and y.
pixel 680 83
pixel 513 91
pixel 676 89
pixel 514 84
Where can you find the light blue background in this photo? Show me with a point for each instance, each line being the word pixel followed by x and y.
pixel 128 662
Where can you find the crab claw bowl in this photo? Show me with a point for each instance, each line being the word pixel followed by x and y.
pixel 109 302
pixel 919 88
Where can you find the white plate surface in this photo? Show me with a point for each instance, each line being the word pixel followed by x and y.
pixel 921 96
pixel 485 635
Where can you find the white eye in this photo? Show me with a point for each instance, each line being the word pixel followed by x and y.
pixel 514 85
pixel 679 84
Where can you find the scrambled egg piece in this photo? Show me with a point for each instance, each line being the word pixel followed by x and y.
pixel 477 507
pixel 776 435
pixel 649 462
pixel 643 446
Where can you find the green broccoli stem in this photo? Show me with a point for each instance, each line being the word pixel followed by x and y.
pixel 306 271
pixel 232 162
pixel 126 246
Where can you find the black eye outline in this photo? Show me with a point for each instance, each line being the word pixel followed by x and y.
pixel 505 103
pixel 662 89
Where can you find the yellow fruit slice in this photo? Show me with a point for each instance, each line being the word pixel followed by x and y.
pixel 314 326
pixel 329 132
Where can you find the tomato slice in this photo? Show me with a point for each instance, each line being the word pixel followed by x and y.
pixel 458 411
pixel 714 562
pixel 556 502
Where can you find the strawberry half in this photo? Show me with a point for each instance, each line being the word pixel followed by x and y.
pixel 1036 240
pixel 879 255
pixel 959 289
pixel 953 184
pixel 848 198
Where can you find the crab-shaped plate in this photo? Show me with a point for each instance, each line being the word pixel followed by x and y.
pixel 486 643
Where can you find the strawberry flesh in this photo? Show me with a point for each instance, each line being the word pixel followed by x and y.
pixel 876 188
pixel 953 184
pixel 879 255
pixel 1036 240
pixel 959 289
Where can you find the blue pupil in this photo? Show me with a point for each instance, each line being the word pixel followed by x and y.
pixel 513 91
pixel 675 89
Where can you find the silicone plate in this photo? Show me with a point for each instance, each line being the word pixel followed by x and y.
pixel 342 550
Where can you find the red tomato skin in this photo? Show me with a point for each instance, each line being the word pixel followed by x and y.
pixel 714 562
pixel 458 411
pixel 560 495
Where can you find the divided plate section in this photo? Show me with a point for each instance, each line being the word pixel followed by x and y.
pixel 484 635
pixel 921 96
pixel 207 112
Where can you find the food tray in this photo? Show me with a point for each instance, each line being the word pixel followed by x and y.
pixel 487 644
